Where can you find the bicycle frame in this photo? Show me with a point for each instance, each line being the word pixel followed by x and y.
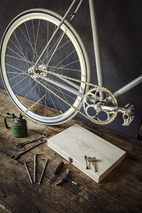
pixel 119 92
pixel 77 90
pixel 128 86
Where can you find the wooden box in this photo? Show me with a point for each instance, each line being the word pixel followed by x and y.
pixel 76 142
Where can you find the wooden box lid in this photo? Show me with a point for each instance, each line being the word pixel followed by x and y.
pixel 76 142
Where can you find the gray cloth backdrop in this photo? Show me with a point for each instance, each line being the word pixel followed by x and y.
pixel 120 34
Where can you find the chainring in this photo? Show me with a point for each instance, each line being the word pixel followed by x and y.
pixel 92 102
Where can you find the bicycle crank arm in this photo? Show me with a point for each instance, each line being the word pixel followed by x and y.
pixel 127 112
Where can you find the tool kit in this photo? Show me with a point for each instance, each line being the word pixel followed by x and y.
pixel 91 154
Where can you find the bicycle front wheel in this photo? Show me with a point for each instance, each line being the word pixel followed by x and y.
pixel 22 44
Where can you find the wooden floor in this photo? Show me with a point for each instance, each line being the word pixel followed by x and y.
pixel 120 191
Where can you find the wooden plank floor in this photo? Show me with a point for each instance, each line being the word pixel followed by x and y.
pixel 120 191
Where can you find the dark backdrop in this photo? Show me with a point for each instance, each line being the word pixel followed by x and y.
pixel 120 34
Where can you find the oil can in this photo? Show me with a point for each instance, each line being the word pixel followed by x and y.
pixel 19 125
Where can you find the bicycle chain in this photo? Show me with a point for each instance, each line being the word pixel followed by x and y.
pixel 89 84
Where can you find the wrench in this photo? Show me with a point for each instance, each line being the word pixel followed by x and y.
pixel 16 156
pixel 30 141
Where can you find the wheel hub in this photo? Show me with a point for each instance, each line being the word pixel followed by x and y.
pixel 40 70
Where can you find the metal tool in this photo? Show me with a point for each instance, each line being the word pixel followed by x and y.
pixel 30 141
pixel 16 156
pixel 66 179
pixel 86 162
pixel 56 171
pixel 91 160
pixel 35 163
pixel 46 161
pixel 28 172
pixel 93 163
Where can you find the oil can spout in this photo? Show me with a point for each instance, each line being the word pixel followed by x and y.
pixel 20 116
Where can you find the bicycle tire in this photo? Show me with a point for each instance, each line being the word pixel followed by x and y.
pixel 22 44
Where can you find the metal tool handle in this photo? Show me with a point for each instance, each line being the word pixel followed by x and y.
pixel 75 183
pixel 85 157
pixel 32 146
pixel 56 171
pixel 58 168
pixel 5 119
pixel 30 141
pixel 46 161
pixel 66 179
pixel 58 182
pixel 15 156
pixel 28 172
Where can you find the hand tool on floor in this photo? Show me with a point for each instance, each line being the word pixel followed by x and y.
pixel 35 164
pixel 28 172
pixel 17 155
pixel 30 141
pixel 46 161
pixel 55 172
pixel 66 179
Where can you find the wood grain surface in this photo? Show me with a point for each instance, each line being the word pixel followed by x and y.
pixel 119 191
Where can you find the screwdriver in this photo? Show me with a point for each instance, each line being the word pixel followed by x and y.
pixel 56 171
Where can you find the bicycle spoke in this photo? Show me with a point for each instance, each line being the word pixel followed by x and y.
pixel 29 40
pixel 19 82
pixel 24 59
pixel 15 68
pixel 23 47
pixel 65 68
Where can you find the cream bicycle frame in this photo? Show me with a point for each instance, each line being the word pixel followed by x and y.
pixel 128 86
pixel 122 90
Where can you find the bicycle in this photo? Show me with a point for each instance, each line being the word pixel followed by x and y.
pixel 45 65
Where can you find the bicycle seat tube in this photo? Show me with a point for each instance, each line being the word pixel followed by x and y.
pixel 96 43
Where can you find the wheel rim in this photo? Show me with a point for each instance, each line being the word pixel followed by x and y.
pixel 15 67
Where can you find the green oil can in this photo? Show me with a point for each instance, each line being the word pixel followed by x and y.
pixel 19 126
